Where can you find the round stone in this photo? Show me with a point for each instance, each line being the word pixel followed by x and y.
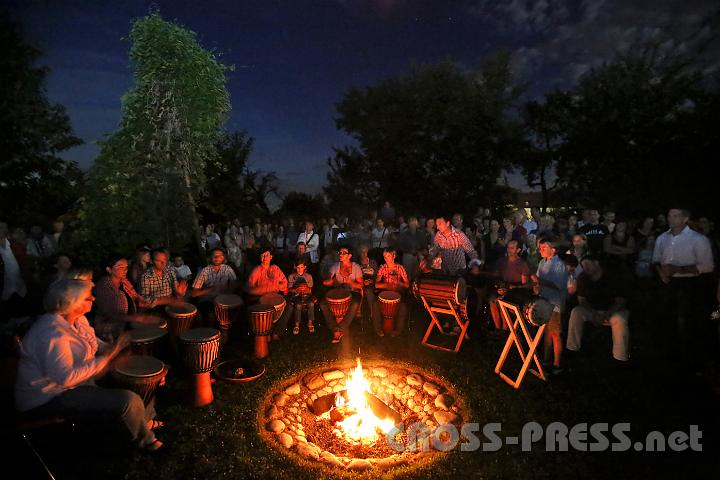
pixel 442 417
pixel 414 379
pixel 380 372
pixel 330 459
pixel 308 450
pixel 293 389
pixel 431 389
pixel 276 426
pixel 333 375
pixel 444 401
pixel 273 412
pixel 314 381
pixel 280 399
pixel 285 440
pixel 359 464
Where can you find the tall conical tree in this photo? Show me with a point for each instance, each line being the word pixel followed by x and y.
pixel 146 181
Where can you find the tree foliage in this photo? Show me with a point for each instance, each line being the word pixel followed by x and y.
pixel 147 181
pixel 302 205
pixel 234 189
pixel 439 130
pixel 36 184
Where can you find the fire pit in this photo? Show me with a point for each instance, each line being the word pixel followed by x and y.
pixel 375 415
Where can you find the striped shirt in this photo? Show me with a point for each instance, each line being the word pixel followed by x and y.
pixel 452 248
pixel 209 277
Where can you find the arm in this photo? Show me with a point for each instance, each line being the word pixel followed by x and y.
pixel 59 362
pixel 468 247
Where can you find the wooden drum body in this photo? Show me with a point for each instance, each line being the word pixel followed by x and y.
pixel 389 303
pixel 227 307
pixel 338 301
pixel 181 317
pixel 261 323
pixel 200 347
pixel 276 301
pixel 439 289
pixel 145 340
pixel 536 309
pixel 140 373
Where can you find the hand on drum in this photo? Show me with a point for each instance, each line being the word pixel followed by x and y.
pixel 181 288
pixel 145 318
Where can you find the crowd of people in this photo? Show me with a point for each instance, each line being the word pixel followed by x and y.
pixel 591 268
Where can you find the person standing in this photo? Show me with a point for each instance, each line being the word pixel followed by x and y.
pixel 312 241
pixel 681 256
pixel 451 245
pixel 12 277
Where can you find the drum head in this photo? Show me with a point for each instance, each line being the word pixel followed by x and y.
pixel 273 299
pixel 228 300
pixel 338 294
pixel 139 366
pixel 146 334
pixel 259 307
pixel 539 312
pixel 181 309
pixel 239 370
pixel 199 335
pixel 148 321
pixel 389 296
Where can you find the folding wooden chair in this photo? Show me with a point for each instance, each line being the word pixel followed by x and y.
pixel 519 324
pixel 452 310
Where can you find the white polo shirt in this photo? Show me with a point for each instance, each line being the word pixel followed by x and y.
pixel 686 248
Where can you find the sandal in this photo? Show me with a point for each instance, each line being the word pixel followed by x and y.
pixel 337 336
pixel 296 329
pixel 153 446
pixel 311 328
pixel 154 424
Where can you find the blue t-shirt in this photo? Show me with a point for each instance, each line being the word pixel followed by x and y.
pixel 553 281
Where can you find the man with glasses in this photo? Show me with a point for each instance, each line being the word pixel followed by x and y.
pixel 348 275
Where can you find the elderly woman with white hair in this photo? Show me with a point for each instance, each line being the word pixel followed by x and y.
pixel 60 357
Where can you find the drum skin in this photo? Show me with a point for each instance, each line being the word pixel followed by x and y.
pixel 181 317
pixel 276 301
pixel 140 373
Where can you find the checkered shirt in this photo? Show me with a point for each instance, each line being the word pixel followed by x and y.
pixel 452 248
pixel 209 277
pixel 156 286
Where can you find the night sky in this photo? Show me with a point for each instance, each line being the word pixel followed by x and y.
pixel 295 59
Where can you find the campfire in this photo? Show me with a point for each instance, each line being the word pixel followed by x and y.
pixel 359 415
pixel 370 415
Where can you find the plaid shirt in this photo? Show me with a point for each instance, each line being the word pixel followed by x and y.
pixel 453 248
pixel 209 277
pixel 385 275
pixel 111 300
pixel 156 286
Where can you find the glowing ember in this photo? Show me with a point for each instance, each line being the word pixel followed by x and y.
pixel 363 425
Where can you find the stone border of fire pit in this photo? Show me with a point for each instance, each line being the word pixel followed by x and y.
pixel 431 397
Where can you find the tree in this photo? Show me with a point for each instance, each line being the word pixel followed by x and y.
pixel 147 180
pixel 35 183
pixel 302 205
pixel 233 188
pixel 440 130
pixel 632 139
pixel 545 125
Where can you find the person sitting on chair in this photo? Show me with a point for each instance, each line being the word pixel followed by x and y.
pixel 60 358
pixel 602 301
pixel 391 276
pixel 159 283
pixel 348 275
pixel 513 272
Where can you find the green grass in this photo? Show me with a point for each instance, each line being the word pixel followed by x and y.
pixel 222 440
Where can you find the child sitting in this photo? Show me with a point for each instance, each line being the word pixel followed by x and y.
pixel 300 285
pixel 182 271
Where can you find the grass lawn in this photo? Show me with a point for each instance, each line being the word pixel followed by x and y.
pixel 222 441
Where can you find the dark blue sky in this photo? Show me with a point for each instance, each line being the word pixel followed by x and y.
pixel 294 60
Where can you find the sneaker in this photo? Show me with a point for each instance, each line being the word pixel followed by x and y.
pixel 555 371
pixel 380 333
pixel 311 328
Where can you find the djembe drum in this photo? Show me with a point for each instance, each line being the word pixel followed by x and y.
pixel 181 317
pixel 140 373
pixel 145 340
pixel 200 347
pixel 536 309
pixel 147 321
pixel 261 322
pixel 440 289
pixel 227 307
pixel 338 301
pixel 389 303
pixel 276 301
